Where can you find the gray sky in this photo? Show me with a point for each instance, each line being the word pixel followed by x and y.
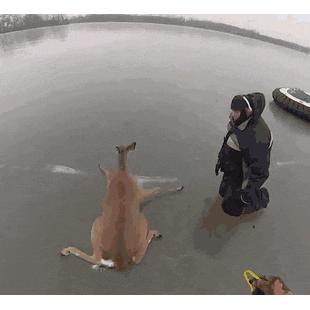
pixel 294 28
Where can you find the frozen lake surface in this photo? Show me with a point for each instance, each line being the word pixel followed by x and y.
pixel 69 94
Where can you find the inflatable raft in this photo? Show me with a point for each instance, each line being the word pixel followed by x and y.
pixel 294 100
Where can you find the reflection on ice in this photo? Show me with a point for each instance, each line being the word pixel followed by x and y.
pixel 63 169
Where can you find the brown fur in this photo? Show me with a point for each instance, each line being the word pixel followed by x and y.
pixel 122 232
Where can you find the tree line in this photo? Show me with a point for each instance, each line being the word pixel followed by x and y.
pixel 181 21
pixel 15 22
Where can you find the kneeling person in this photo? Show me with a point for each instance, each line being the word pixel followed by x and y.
pixel 245 157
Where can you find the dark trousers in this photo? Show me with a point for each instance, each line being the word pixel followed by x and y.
pixel 230 191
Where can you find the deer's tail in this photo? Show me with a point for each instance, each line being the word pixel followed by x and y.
pixel 120 255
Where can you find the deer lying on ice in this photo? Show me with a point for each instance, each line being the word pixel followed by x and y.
pixel 121 235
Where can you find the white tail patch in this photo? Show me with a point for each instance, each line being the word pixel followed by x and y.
pixel 104 263
pixel 107 262
pixel 64 170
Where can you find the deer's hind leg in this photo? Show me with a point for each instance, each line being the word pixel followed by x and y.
pixel 78 253
pixel 93 259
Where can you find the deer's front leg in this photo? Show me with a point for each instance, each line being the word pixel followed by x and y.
pixel 150 193
pixel 103 171
pixel 106 173
pixel 157 191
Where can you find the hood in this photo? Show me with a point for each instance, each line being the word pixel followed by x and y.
pixel 257 102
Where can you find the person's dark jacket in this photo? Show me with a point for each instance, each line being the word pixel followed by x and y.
pixel 247 152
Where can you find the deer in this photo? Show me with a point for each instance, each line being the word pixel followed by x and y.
pixel 120 236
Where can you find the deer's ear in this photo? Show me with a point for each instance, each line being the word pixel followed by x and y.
pixel 118 148
pixel 131 146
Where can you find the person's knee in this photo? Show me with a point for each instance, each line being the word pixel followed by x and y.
pixel 232 207
pixel 259 200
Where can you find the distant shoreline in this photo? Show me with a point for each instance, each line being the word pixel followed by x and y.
pixel 181 21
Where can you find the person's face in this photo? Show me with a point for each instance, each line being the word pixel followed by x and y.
pixel 235 114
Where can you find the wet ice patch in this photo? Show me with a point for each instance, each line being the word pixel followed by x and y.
pixel 285 163
pixel 64 170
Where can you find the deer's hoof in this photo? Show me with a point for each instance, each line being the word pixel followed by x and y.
pixel 158 236
pixel 99 268
pixel 65 252
pixel 180 188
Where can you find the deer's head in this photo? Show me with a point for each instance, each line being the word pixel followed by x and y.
pixel 122 154
pixel 121 149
